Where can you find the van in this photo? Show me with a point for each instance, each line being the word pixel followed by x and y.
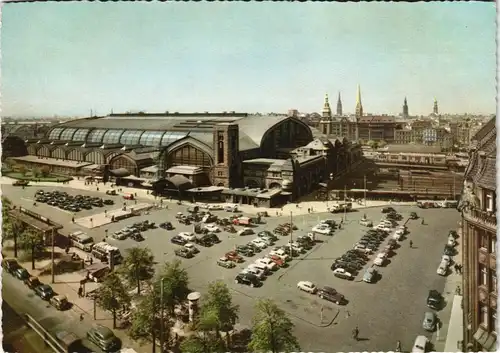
pixel 82 241
pixel 103 251
pixel 231 208
pixel 69 341
pixel 60 302
pixel 420 344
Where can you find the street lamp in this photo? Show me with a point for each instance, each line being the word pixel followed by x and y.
pixel 162 335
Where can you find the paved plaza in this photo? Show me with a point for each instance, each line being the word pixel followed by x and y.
pixel 391 309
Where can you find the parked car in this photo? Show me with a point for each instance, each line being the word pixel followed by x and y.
pixel 330 294
pixel 380 259
pixel 246 231
pixel 22 274
pixel 413 215
pixel 449 250
pixel 225 262
pixel 166 226
pixel 233 256
pixel 191 247
pixel 245 250
pixel 281 254
pixel 212 228
pixel 183 252
pixel 10 265
pixel 434 299
pixel 32 282
pixel 388 210
pixel 248 279
pixel 111 192
pixel 187 236
pixel 259 243
pixel 442 268
pixel 277 260
pixel 44 291
pixel 259 273
pixel 60 302
pixel 451 241
pixel 103 337
pixel 430 321
pixel 266 233
pixel 370 274
pixel 420 344
pixel 307 286
pixel 322 229
pixel 366 223
pixel 268 263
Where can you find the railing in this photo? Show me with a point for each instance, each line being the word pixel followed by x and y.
pixel 487 218
pixel 48 338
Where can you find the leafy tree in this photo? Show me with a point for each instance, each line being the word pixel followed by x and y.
pixel 11 227
pixel 175 284
pixel 193 344
pixel 381 144
pixel 35 173
pixel 138 266
pixel 22 169
pixel 45 171
pixel 218 312
pixel 272 329
pixel 32 242
pixel 112 295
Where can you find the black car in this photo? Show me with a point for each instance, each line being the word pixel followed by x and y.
pixel 178 240
pixel 204 241
pixel 449 250
pixel 10 265
pixel 348 266
pixel 44 291
pixel 247 278
pixel 167 226
pixel 245 250
pixel 434 299
pixel 22 274
pixel 184 221
pixel 330 294
pixel 388 210
pixel 266 233
pixel 136 236
pixel 108 202
pixel 254 247
pixel 453 234
pixel 183 252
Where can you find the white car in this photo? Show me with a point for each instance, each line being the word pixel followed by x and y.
pixel 268 240
pixel 307 286
pixel 383 227
pixel 446 259
pixel 451 241
pixel 191 247
pixel 341 271
pixel 255 271
pixel 259 243
pixel 202 205
pixel 420 344
pixel 295 246
pixel 362 248
pixel 442 269
pixel 366 223
pixel 386 223
pixel 246 231
pixel 270 264
pixel 188 236
pixel 380 259
pixel 397 236
pixel 322 229
pixel 403 229
pixel 280 253
pixel 215 207
pixel 212 228
pixel 119 235
pixel 260 266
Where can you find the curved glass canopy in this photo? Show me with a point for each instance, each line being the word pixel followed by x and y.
pixel 112 136
pixel 80 134
pixel 170 137
pixel 151 138
pixel 54 134
pixel 67 134
pixel 131 137
pixel 96 135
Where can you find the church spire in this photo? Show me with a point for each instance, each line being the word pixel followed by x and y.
pixel 339 106
pixel 435 109
pixel 359 105
pixel 327 111
pixel 405 109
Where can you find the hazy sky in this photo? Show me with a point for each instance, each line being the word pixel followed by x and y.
pixel 68 58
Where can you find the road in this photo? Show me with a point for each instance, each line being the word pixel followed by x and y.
pixel 391 309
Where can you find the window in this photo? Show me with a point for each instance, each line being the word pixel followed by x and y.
pixel 493 249
pixel 67 134
pixel 95 136
pixel 151 138
pixel 80 134
pixel 489 202
pixel 131 137
pixel 220 147
pixel 112 136
pixel 170 137
pixel 54 134
pixel 220 174
pixel 483 317
pixel 493 320
pixel 483 239
pixel 493 277
pixel 483 276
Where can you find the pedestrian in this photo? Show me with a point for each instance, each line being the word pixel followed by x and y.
pixel 398 346
pixel 423 221
pixel 411 244
pixel 81 317
pixel 355 333
pixel 73 219
pixel 460 269
pixel 98 188
pixel 91 260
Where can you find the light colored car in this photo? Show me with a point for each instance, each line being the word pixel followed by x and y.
pixel 322 229
pixel 451 241
pixel 120 235
pixel 295 246
pixel 202 205
pixel 443 268
pixel 212 228
pixel 386 223
pixel 341 271
pixel 363 248
pixel 404 229
pixel 268 240
pixel 397 236
pixel 270 264
pixel 187 236
pixel 259 243
pixel 383 227
pixel 380 259
pixel 255 271
pixel 246 231
pixel 430 321
pixel 369 275
pixel 307 286
pixel 191 247
pixel 420 344
pixel 215 207
pixel 366 223
pixel 447 259
pixel 280 253
pixel 260 266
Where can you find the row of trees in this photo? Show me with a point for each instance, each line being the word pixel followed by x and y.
pixel 272 330
pixel 373 144
pixel 43 171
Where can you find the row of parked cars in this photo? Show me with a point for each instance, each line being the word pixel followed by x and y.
pixel 44 291
pixel 448 252
pixel 68 202
pixel 134 231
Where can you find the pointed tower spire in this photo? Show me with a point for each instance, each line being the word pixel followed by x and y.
pixel 435 109
pixel 359 105
pixel 405 109
pixel 339 106
pixel 327 111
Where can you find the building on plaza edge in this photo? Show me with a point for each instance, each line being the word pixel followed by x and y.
pixel 252 159
pixel 479 224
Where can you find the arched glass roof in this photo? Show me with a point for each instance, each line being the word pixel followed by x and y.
pixel 151 138
pixel 170 137
pixel 54 134
pixel 131 137
pixel 80 134
pixel 96 135
pixel 67 134
pixel 112 136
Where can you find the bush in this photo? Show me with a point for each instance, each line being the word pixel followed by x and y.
pixel 45 170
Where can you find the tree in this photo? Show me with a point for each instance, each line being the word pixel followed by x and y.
pixel 11 227
pixel 138 266
pixel 35 173
pixel 272 329
pixel 22 169
pixel 175 284
pixel 381 144
pixel 112 295
pixel 33 242
pixel 45 171
pixel 193 344
pixel 218 312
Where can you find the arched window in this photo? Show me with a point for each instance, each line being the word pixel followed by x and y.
pixel 95 157
pixel 112 136
pixel 112 155
pixel 75 155
pixel 189 155
pixel 80 134
pixel 44 151
pixel 151 138
pixel 131 137
pixel 58 153
pixel 123 162
pixel 67 134
pixel 95 136
pixel 54 133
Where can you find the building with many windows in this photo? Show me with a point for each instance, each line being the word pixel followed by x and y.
pixel 479 243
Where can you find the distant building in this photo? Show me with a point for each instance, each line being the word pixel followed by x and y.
pixel 406 115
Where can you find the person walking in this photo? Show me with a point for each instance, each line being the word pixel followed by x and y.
pixel 398 346
pixel 81 317
pixel 411 244
pixel 423 221
pixel 80 292
pixel 355 333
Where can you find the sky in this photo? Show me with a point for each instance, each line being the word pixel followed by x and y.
pixel 68 58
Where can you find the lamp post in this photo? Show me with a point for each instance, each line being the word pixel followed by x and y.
pixel 345 202
pixel 291 234
pixel 364 188
pixel 162 335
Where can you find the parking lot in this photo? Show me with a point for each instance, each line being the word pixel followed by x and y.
pixel 386 311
